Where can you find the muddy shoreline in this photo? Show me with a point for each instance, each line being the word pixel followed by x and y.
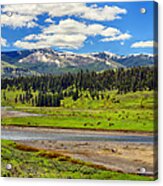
pixel 116 156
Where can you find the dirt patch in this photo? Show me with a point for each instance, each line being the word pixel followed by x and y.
pixel 123 157
pixel 13 113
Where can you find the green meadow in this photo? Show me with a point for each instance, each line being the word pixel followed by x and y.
pixel 131 111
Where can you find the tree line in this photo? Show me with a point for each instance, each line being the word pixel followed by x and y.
pixel 51 89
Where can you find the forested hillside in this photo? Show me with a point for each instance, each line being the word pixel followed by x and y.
pixel 49 90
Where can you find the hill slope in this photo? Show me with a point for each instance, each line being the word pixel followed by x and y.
pixel 10 70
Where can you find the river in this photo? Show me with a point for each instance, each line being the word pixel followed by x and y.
pixel 14 134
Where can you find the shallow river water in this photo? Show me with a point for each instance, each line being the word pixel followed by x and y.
pixel 13 134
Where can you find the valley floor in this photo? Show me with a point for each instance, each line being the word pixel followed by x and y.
pixel 134 115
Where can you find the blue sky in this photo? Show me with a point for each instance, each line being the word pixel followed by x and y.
pixel 81 28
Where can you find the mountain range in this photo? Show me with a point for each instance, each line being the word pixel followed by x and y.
pixel 41 61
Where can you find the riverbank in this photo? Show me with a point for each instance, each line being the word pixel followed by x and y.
pixel 115 156
pixel 35 160
pixel 123 156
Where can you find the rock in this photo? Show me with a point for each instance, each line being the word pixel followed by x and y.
pixel 114 150
pixel 142 170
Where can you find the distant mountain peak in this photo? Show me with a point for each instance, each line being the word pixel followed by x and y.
pixel 141 54
pixel 47 60
pixel 111 54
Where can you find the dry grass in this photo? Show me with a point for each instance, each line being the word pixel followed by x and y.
pixel 59 156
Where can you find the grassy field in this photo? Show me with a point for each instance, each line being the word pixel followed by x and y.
pixel 30 162
pixel 132 111
pixel 137 100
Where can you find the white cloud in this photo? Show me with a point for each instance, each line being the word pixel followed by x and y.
pixel 3 42
pixel 122 43
pixel 68 33
pixel 144 44
pixel 70 26
pixel 17 20
pixel 61 41
pixel 119 37
pixel 68 41
pixel 108 13
pixel 49 20
pixel 28 45
pixel 31 37
pixel 94 6
pixel 67 9
pixel 110 32
pixel 26 15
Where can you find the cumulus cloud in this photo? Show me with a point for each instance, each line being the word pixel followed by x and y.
pixel 71 26
pixel 25 15
pixel 108 13
pixel 31 37
pixel 118 37
pixel 17 20
pixel 144 44
pixel 110 32
pixel 61 41
pixel 4 42
pixel 67 33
